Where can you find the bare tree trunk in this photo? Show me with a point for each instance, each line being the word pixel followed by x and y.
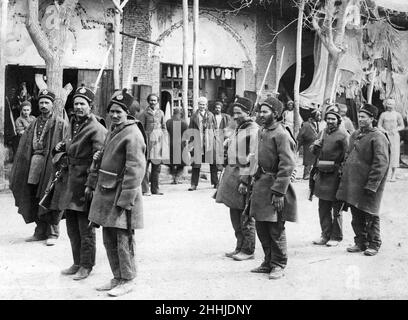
pixel 296 89
pixel 3 39
pixel 185 58
pixel 196 79
pixel 332 66
pixel 116 51
pixel 51 48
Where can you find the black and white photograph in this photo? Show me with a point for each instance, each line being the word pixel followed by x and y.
pixel 217 152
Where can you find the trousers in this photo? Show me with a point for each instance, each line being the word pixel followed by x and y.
pixel 244 232
pixel 82 238
pixel 273 239
pixel 120 253
pixel 331 220
pixel 195 175
pixel 366 228
pixel 153 178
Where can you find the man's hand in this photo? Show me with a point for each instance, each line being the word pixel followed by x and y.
pixel 278 202
pixel 88 194
pixel 60 146
pixel 242 188
pixel 97 156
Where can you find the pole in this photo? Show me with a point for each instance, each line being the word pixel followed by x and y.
pixel 116 51
pixel 3 40
pixel 102 68
pixel 132 60
pixel 278 75
pixel 296 89
pixel 185 58
pixel 196 79
pixel 258 95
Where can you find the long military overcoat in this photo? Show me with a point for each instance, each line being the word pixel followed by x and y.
pixel 80 148
pixel 276 162
pixel 120 176
pixel 56 132
pixel 334 148
pixel 366 167
pixel 242 143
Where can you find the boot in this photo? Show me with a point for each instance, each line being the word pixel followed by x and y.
pixel 124 287
pixel 109 286
pixel 71 270
pixel 82 273
pixel 276 273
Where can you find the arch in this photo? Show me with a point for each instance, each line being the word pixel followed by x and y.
pixel 218 21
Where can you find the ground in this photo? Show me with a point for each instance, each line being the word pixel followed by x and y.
pixel 180 254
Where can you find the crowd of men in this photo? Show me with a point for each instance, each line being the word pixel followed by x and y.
pixel 95 176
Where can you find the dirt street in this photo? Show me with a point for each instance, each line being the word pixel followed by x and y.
pixel 180 255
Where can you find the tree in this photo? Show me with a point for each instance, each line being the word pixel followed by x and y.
pixel 50 41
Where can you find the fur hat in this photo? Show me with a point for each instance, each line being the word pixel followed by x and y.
pixel 45 93
pixel 85 93
pixel 244 103
pixel 122 99
pixel 334 110
pixel 369 109
pixel 274 104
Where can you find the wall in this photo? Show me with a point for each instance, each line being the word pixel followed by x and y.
pixel 87 42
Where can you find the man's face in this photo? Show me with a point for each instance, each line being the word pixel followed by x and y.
pixel 117 114
pixel 239 115
pixel 390 105
pixel 217 109
pixel 153 101
pixel 26 111
pixel 290 106
pixel 266 116
pixel 45 105
pixel 332 121
pixel 81 107
pixel 202 106
pixel 364 120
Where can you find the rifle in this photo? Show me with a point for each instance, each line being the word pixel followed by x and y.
pixel 62 164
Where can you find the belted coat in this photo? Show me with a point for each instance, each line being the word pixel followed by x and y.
pixel 276 162
pixel 241 144
pixel 333 147
pixel 118 185
pixel 55 132
pixel 80 147
pixel 365 168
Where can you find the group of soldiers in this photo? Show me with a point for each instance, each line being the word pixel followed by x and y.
pixel 348 172
pixel 96 177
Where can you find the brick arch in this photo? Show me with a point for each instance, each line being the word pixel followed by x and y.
pixel 216 20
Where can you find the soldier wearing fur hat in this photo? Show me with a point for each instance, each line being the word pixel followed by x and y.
pixel 85 137
pixel 33 168
pixel 330 149
pixel 117 199
pixel 233 186
pixel 273 200
pixel 363 180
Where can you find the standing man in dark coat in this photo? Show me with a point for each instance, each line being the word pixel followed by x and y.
pixel 273 200
pixel 234 183
pixel 203 123
pixel 363 180
pixel 86 136
pixel 33 169
pixel 330 149
pixel 117 200
pixel 152 120
pixel 176 127
pixel 307 135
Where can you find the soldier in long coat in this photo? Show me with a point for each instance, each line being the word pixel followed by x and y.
pixel 330 150
pixel 86 136
pixel 233 186
pixel 273 200
pixel 203 123
pixel 308 133
pixel 33 169
pixel 117 200
pixel 363 180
